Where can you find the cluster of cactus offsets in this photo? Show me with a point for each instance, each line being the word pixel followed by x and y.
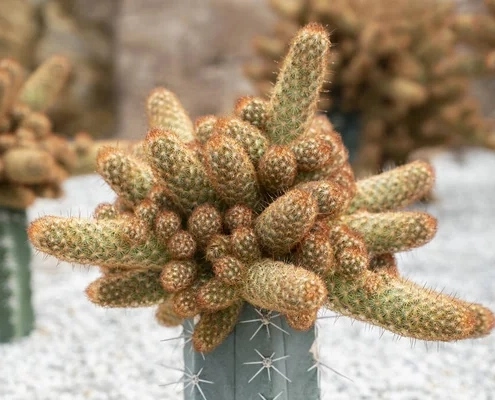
pixel 33 160
pixel 476 31
pixel 260 207
pixel 409 90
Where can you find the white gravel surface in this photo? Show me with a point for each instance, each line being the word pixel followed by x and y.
pixel 79 351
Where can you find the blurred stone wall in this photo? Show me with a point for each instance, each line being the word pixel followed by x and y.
pixel 196 48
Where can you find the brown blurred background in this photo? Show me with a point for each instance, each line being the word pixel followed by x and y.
pixel 121 49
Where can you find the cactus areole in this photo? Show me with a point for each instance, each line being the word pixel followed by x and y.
pixel 259 207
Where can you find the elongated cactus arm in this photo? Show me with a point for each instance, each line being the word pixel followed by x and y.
pixel 294 99
pixel 139 288
pixel 393 189
pixel 392 231
pixel 407 309
pixel 103 242
pixel 275 285
pixel 285 222
pixel 231 172
pixel 179 168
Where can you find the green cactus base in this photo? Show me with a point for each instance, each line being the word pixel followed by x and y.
pixel 262 359
pixel 16 311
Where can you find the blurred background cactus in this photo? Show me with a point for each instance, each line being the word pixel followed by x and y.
pixel 259 209
pixel 34 162
pixel 32 31
pixel 406 90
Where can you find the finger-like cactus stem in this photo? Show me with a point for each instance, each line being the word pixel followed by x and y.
pixel 127 289
pixel 393 189
pixel 277 168
pixel 286 221
pixel 392 231
pixel 282 287
pixel 294 98
pixel 231 172
pixel 214 327
pixel 166 112
pixel 128 177
pixel 252 140
pixel 407 309
pixel 94 243
pixel 229 270
pixel 178 166
pixel 244 244
pixel 216 295
pixel 178 275
pixel 252 110
pixel 238 216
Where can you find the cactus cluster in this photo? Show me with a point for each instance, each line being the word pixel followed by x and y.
pixel 32 31
pixel 33 160
pixel 258 207
pixel 410 91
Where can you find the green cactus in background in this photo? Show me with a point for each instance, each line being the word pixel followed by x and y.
pixel 262 208
pixel 16 312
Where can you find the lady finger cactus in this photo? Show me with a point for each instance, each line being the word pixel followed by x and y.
pixel 212 227
pixel 32 158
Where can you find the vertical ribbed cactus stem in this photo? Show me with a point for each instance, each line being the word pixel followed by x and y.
pixel 16 311
pixel 263 358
